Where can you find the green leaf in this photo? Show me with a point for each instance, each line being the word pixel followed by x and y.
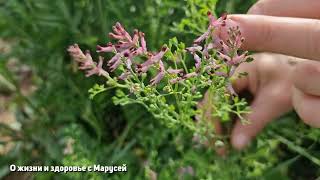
pixel 96 89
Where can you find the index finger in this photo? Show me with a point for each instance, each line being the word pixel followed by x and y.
pixel 291 36
pixel 287 8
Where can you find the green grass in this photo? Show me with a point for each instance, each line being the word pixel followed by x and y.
pixel 60 109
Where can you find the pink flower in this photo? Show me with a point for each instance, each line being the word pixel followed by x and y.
pixel 124 75
pixel 157 57
pixel 122 46
pixel 202 37
pixel 195 48
pixel 160 75
pixel 207 48
pixel 115 65
pixel 236 60
pixel 128 47
pixel 239 40
pixel 214 24
pixel 223 74
pixel 144 67
pixel 190 75
pixel 115 61
pixel 217 23
pixel 239 59
pixel 231 90
pixel 120 33
pixel 135 37
pixel 108 48
pixel 138 52
pixel 212 66
pixel 198 61
pixel 143 42
pixel 96 69
pixel 76 53
pixel 176 80
pixel 128 60
pixel 86 62
pixel 225 49
pixel 116 36
pixel 174 71
pixel 232 71
pixel 125 41
pixel 226 58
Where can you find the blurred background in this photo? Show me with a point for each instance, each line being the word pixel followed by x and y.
pixel 46 117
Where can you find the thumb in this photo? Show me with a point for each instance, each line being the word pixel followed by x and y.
pixel 264 109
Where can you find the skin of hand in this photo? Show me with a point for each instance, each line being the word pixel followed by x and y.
pixel 278 82
pixel 304 28
pixel 270 82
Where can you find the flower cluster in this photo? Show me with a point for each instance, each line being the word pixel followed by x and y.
pixel 86 62
pixel 154 79
pixel 227 50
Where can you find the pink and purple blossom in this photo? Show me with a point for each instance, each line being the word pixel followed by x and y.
pixel 160 74
pixel 86 62
pixel 128 47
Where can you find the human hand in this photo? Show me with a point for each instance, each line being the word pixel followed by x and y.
pixel 270 81
pixel 296 36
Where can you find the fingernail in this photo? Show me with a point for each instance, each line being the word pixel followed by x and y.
pixel 240 141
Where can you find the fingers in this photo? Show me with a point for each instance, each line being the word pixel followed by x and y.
pixel 291 36
pixel 264 109
pixel 287 8
pixel 306 77
pixel 307 107
pixel 306 94
pixel 242 83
